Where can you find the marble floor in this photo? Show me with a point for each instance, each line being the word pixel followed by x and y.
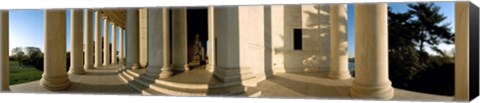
pixel 311 85
pixel 102 80
pixel 316 85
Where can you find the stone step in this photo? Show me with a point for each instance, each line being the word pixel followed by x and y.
pixel 252 92
pixel 122 76
pixel 248 80
pixel 150 86
pixel 190 85
pixel 151 91
pixel 130 80
pixel 140 88
pixel 130 72
pixel 181 91
pixel 125 77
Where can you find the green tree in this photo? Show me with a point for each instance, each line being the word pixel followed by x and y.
pixel 35 57
pixel 410 66
pixel 403 57
pixel 17 53
pixel 33 54
pixel 428 28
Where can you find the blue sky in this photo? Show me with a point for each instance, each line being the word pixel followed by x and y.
pixel 27 29
pixel 26 26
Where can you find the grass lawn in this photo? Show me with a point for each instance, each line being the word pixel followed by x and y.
pixel 14 64
pixel 22 74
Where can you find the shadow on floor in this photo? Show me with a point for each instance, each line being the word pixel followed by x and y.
pixel 314 85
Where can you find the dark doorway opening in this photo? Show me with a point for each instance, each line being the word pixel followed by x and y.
pixel 197 32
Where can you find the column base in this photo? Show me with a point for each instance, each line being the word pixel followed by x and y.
pixel 339 75
pixel 76 70
pixel 5 87
pixel 97 65
pixel 383 91
pixel 134 66
pixel 88 67
pixel 55 83
pixel 210 68
pixel 182 68
pixel 105 64
pixel 238 74
pixel 5 90
pixel 159 73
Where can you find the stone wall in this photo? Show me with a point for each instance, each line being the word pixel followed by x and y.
pixel 265 40
pixel 251 35
pixel 314 22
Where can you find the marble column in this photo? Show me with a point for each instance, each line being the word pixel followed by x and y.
pixel 54 75
pixel 4 64
pixel 106 43
pixel 371 53
pixel 114 44
pixel 88 39
pixel 143 35
pixel 211 40
pixel 132 39
pixel 98 41
pixel 179 32
pixel 339 42
pixel 158 48
pixel 120 42
pixel 76 38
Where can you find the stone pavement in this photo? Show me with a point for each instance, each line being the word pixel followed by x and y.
pixel 305 85
pixel 102 80
pixel 316 85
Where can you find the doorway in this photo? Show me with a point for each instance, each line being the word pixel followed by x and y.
pixel 197 35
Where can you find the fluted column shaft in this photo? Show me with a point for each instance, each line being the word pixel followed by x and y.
pixel 88 39
pixel 371 53
pixel 180 60
pixel 54 76
pixel 120 42
pixel 76 38
pixel 132 40
pixel 98 41
pixel 158 48
pixel 339 42
pixel 4 64
pixel 114 44
pixel 106 42
pixel 211 40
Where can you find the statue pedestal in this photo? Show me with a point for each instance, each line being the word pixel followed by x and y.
pixel 196 60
